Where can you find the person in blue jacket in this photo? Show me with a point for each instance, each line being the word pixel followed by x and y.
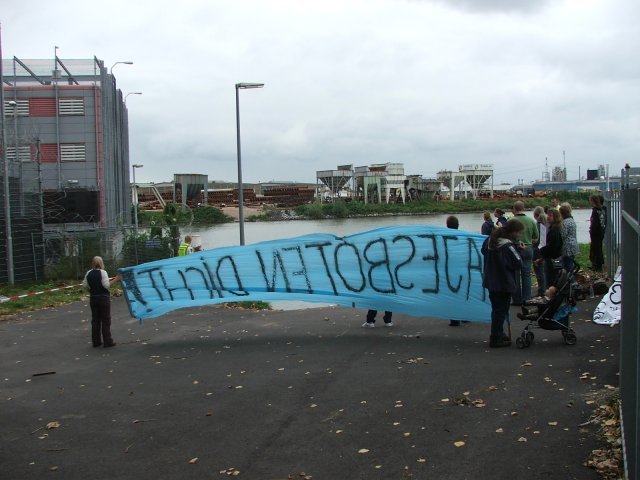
pixel 502 263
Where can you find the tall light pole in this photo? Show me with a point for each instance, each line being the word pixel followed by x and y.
pixel 131 93
pixel 118 63
pixel 241 86
pixel 135 190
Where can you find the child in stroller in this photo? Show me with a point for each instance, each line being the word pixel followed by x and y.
pixel 550 312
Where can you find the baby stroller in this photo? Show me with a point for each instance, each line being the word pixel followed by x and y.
pixel 550 315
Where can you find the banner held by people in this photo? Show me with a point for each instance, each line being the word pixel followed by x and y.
pixel 422 271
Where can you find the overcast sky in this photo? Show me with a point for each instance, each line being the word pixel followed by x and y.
pixel 430 83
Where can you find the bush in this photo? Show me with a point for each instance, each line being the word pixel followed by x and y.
pixel 209 216
pixel 337 209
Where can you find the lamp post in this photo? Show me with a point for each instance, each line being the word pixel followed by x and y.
pixel 117 63
pixel 135 190
pixel 241 86
pixel 131 93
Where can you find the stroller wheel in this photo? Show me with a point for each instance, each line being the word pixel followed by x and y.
pixel 520 342
pixel 569 337
pixel 529 338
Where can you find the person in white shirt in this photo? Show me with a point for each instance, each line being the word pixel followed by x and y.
pixel 96 281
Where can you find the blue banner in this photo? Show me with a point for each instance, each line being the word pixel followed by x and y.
pixel 418 270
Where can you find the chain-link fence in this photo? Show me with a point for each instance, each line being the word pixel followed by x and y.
pixel 22 229
pixel 68 254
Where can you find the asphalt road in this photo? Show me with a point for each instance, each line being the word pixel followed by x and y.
pixel 272 395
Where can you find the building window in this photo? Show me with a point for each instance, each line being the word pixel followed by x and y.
pixel 71 106
pixel 24 153
pixel 21 108
pixel 73 152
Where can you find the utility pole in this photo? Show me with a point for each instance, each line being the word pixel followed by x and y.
pixel 5 161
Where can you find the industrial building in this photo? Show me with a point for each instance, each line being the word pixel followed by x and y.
pixel 473 178
pixel 65 133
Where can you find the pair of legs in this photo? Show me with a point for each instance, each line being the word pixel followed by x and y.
pixel 568 263
pixel 539 268
pixel 595 253
pixel 371 318
pixel 523 279
pixel 500 303
pixel 101 321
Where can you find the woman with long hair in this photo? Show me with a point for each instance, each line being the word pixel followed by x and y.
pixel 97 282
pixel 596 233
pixel 488 226
pixel 553 248
pixel 501 265
pixel 568 229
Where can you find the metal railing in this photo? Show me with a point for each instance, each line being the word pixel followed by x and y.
pixel 612 233
pixel 630 331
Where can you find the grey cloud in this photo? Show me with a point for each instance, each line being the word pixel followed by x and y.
pixel 492 6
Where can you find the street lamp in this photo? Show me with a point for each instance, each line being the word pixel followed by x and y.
pixel 241 86
pixel 131 93
pixel 135 189
pixel 124 63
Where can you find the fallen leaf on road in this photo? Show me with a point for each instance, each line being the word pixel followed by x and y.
pixel 459 444
pixel 422 460
pixel 499 430
pixel 51 425
pixel 363 450
pixel 522 439
pixel 553 424
pixel 193 460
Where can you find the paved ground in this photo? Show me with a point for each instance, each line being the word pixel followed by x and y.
pixel 269 394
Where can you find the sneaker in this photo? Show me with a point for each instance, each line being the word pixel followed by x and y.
pixel 109 345
pixel 388 324
pixel 368 325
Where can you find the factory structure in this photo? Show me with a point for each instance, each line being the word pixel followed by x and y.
pixel 65 161
pixel 388 182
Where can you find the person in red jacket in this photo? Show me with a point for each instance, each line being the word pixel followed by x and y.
pixel 502 263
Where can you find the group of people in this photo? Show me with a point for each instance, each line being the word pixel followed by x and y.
pixel 521 244
pixel 514 248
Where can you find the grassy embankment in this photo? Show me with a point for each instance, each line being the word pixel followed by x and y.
pixel 343 209
pixel 197 216
pixel 38 302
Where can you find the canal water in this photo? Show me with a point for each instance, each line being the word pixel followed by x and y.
pixel 228 234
